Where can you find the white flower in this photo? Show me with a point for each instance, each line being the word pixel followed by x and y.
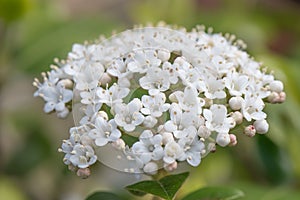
pixel 236 83
pixel 252 108
pixel 90 113
pixel 181 92
pixel 214 88
pixel 221 65
pixel 172 70
pixel 55 95
pixel 128 116
pixel 89 97
pixel 150 121
pixel 82 156
pixel 141 61
pixel 192 148
pixel 173 151
pixel 154 105
pixel 105 131
pixel 149 147
pixel 155 81
pixel 112 95
pixel 89 77
pixel 117 68
pixel 216 119
pixel 182 123
pixel 189 100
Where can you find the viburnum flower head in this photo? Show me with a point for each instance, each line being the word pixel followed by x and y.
pixel 156 96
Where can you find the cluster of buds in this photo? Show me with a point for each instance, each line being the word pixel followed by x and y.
pixel 154 96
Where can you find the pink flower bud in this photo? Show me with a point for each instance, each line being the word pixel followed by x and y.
pixel 250 131
pixel 233 140
pixel 171 167
pixel 84 173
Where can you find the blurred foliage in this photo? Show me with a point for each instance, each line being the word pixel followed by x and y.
pixel 33 32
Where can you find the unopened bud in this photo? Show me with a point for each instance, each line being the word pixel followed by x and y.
pixel 167 137
pixel 282 97
pixel 250 131
pixel 151 168
pixel 261 126
pixel 276 86
pixel 163 55
pixel 233 140
pixel 223 139
pixel 274 97
pixel 173 98
pixel 67 83
pixel 103 115
pixel 235 103
pixel 171 167
pixel 84 173
pixel 237 116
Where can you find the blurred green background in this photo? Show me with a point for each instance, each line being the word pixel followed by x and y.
pixel 33 32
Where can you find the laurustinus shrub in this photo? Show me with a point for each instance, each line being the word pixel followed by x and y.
pixel 151 97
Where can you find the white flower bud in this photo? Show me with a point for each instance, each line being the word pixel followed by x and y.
pixel 103 115
pixel 170 167
pixel 235 103
pixel 276 86
pixel 250 131
pixel 261 126
pixel 223 139
pixel 238 117
pixel 173 98
pixel 67 83
pixel 233 140
pixel 150 168
pixel 163 55
pixel 167 137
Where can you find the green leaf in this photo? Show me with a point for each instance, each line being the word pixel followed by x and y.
pixel 215 193
pixel 275 162
pixel 165 187
pixel 102 196
pixel 129 139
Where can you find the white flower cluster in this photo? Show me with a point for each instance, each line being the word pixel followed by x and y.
pixel 172 94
